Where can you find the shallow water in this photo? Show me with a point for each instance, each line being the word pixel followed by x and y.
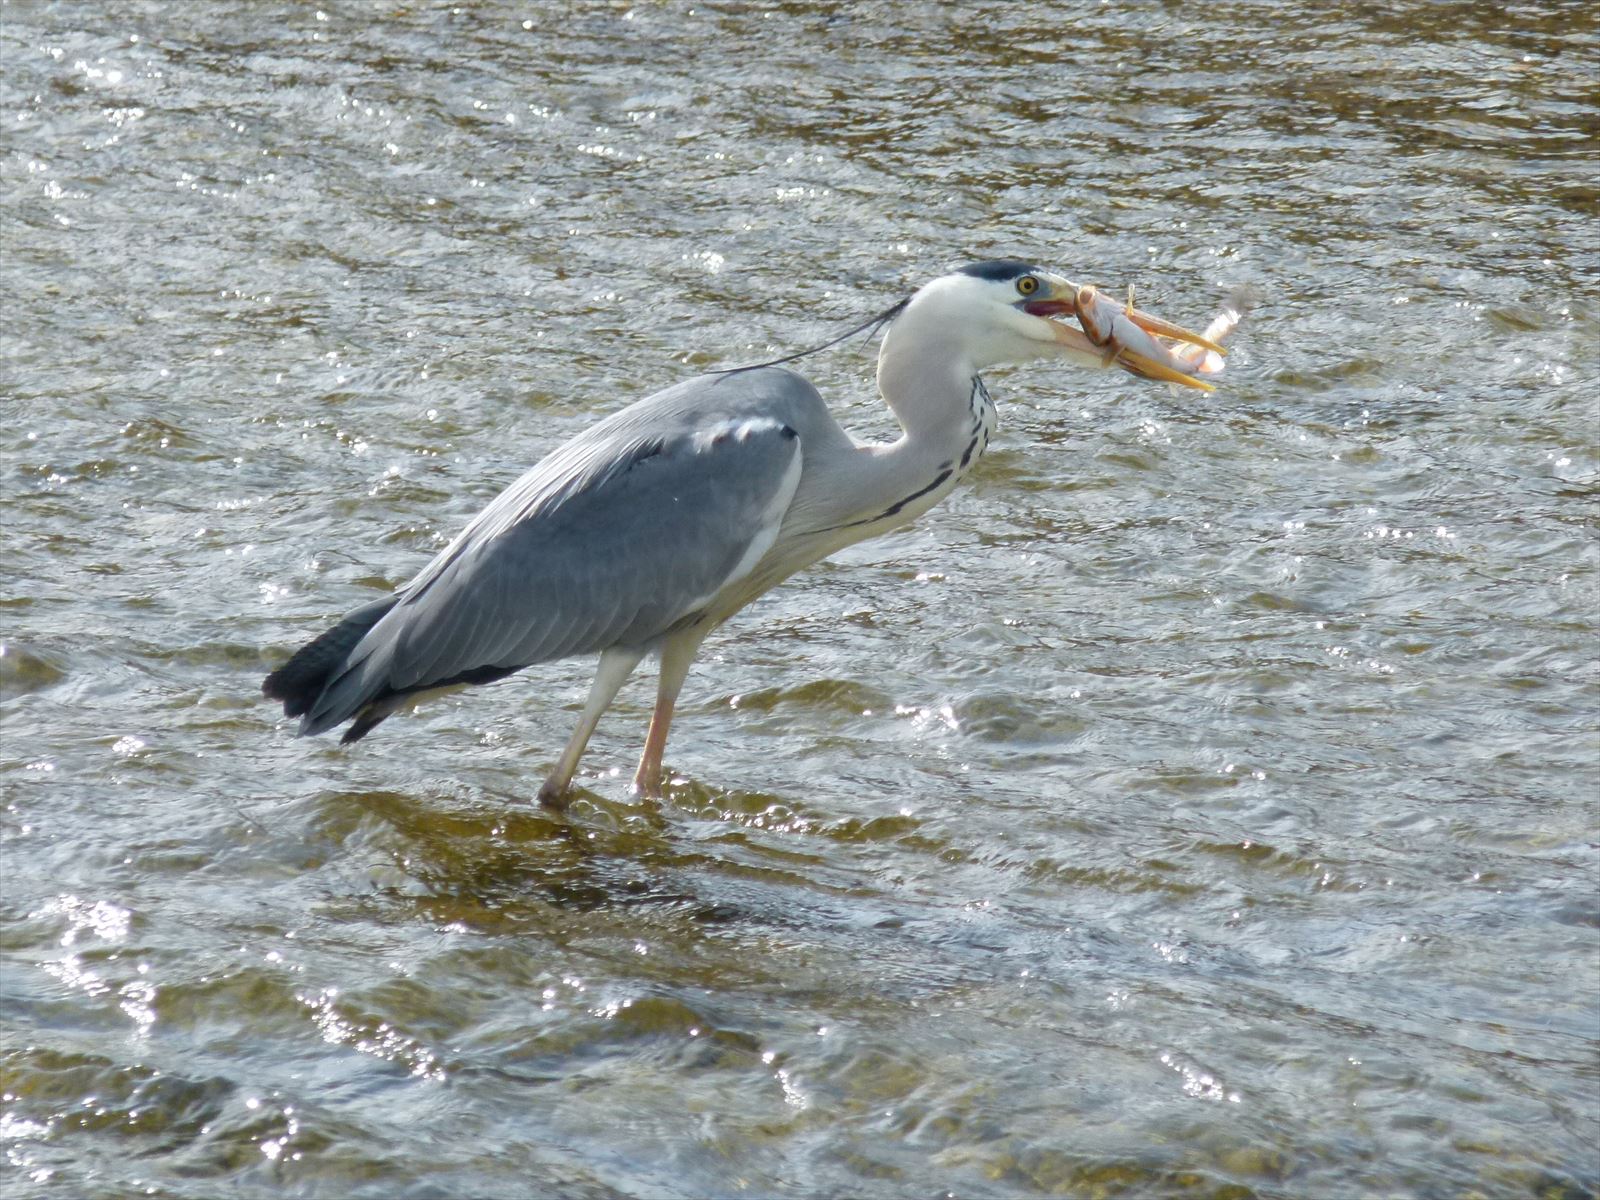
pixel 1202 802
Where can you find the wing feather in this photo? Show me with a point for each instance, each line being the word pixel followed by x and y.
pixel 613 540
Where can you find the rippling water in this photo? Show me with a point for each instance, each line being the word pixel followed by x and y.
pixel 1201 803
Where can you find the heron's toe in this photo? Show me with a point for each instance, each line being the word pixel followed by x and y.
pixel 554 795
pixel 648 784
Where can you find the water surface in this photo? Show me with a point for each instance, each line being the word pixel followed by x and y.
pixel 1200 803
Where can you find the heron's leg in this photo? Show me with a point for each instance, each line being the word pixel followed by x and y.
pixel 676 655
pixel 616 664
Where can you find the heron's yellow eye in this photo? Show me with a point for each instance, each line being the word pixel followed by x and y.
pixel 1027 285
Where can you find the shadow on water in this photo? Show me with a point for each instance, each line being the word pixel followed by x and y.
pixel 492 865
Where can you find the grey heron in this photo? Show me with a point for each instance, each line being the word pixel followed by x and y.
pixel 649 529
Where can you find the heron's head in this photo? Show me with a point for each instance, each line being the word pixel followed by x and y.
pixel 994 312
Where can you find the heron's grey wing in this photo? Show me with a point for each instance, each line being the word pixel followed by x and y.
pixel 612 540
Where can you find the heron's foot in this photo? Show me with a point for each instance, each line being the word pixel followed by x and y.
pixel 554 794
pixel 648 784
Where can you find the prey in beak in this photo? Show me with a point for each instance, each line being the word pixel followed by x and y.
pixel 1122 335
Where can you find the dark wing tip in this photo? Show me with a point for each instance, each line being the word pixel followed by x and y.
pixel 299 683
pixel 277 686
pixel 368 719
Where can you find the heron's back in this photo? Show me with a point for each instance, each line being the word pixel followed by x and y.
pixel 616 538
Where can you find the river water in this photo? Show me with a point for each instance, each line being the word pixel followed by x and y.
pixel 1202 802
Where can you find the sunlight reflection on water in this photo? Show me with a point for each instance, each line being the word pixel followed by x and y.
pixel 1198 802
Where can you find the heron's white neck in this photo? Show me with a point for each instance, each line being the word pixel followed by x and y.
pixel 934 349
pixel 928 375
pixel 946 419
pixel 927 390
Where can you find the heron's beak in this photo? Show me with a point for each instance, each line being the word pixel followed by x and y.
pixel 1061 301
pixel 1056 305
